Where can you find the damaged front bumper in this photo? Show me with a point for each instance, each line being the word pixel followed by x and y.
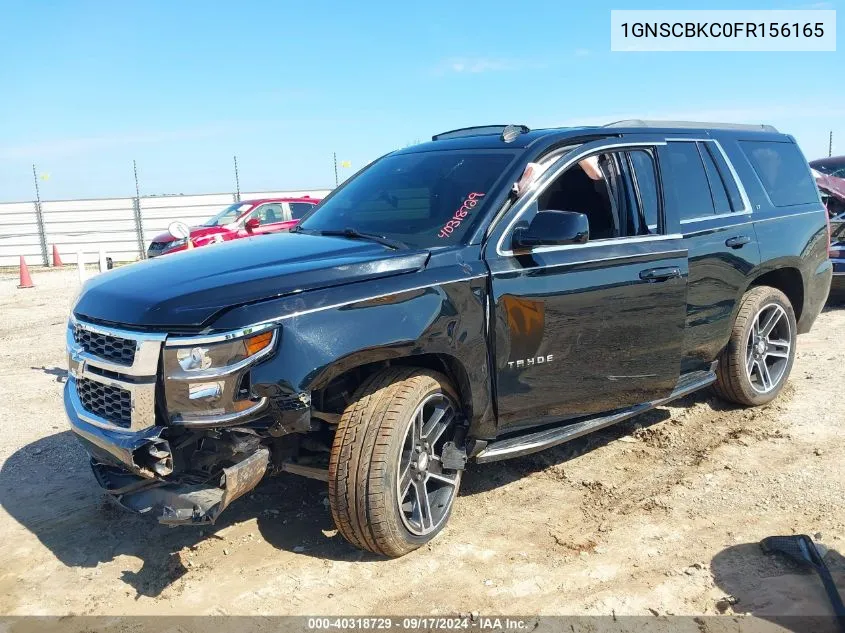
pixel 179 504
pixel 133 466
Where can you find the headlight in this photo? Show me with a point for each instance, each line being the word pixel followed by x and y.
pixel 207 358
pixel 176 244
pixel 209 380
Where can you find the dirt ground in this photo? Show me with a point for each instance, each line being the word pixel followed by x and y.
pixel 660 515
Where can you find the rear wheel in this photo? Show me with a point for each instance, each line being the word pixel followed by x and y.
pixel 388 489
pixel 758 358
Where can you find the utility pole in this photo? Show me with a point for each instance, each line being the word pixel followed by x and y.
pixel 136 212
pixel 237 181
pixel 830 145
pixel 334 157
pixel 39 218
pixel 135 171
pixel 37 191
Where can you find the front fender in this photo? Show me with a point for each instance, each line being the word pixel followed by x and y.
pixel 324 337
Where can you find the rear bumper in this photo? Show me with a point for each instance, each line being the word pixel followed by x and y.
pixel 815 295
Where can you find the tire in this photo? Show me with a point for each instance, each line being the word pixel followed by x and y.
pixel 740 377
pixel 375 449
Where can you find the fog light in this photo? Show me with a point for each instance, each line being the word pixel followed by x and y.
pixel 243 405
pixel 154 458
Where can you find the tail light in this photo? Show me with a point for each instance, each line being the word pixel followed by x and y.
pixel 829 235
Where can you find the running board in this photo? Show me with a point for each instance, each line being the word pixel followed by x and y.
pixel 540 440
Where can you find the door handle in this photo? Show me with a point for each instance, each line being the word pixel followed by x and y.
pixel 660 274
pixel 737 242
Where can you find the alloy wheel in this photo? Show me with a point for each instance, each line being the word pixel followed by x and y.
pixel 768 348
pixel 425 489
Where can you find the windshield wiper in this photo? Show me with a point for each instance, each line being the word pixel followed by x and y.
pixel 358 235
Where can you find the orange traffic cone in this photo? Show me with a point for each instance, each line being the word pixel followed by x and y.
pixel 26 280
pixel 57 261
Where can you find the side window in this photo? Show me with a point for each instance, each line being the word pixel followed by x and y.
pixel 645 180
pixel 782 170
pixel 685 182
pixel 299 209
pixel 269 213
pixel 717 185
pixel 586 188
pixel 619 198
pixel 727 177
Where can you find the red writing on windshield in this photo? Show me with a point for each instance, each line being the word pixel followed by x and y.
pixel 455 221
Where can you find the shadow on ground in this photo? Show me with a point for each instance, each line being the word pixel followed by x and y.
pixel 480 478
pixel 776 589
pixel 59 372
pixel 47 486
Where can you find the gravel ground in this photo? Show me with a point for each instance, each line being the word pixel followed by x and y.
pixel 660 515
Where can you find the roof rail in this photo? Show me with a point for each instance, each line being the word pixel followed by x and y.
pixel 699 125
pixel 481 130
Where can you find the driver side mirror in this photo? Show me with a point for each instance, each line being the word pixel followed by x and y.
pixel 252 224
pixel 551 228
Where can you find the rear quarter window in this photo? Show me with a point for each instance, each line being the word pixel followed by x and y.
pixel 782 170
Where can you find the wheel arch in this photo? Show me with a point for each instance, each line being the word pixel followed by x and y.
pixel 348 373
pixel 788 279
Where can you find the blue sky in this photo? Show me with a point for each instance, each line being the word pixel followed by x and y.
pixel 183 86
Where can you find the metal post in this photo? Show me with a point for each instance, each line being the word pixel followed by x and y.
pixel 237 182
pixel 830 145
pixel 334 157
pixel 136 211
pixel 39 219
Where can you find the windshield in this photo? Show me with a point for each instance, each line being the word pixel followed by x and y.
pixel 423 200
pixel 830 168
pixel 228 215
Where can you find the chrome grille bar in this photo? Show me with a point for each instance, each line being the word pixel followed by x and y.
pixel 138 379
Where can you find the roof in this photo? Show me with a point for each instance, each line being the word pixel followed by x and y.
pixel 830 161
pixel 489 137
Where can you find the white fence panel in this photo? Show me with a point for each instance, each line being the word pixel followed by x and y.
pixel 19 234
pixel 109 223
pixel 91 225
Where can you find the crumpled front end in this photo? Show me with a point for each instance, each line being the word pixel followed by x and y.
pixel 182 462
pixel 183 503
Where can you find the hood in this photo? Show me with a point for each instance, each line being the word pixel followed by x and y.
pixel 186 289
pixel 196 231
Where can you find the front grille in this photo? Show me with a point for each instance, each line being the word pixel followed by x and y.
pixel 111 348
pixel 110 403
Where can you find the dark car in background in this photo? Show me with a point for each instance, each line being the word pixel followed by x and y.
pixel 241 219
pixel 830 178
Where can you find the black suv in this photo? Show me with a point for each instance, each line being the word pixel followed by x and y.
pixel 488 294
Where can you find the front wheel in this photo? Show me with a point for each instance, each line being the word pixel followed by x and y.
pixel 756 363
pixel 389 492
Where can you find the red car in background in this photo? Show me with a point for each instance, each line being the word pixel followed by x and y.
pixel 242 219
pixel 830 178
